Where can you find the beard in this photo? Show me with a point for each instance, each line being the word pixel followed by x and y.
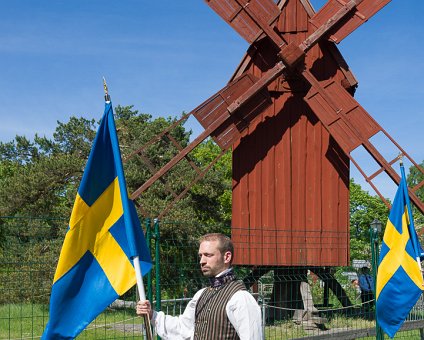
pixel 208 272
pixel 214 270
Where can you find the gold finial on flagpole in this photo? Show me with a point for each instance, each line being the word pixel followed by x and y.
pixel 107 97
pixel 400 157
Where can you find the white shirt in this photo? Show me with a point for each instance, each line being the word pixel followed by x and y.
pixel 242 311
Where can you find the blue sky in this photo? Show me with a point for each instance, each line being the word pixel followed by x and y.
pixel 165 57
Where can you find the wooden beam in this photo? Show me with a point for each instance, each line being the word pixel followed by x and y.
pixel 179 156
pixel 265 80
pixel 325 28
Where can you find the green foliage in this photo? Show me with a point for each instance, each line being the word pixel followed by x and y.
pixel 29 258
pixel 364 208
pixel 415 177
pixel 213 194
pixel 40 178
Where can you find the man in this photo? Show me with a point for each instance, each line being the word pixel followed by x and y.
pixel 366 283
pixel 225 310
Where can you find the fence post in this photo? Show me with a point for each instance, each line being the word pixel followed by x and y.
pixel 263 318
pixel 157 264
pixel 375 228
pixel 149 245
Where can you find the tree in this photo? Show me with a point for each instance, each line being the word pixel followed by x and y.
pixel 364 208
pixel 414 178
pixel 41 177
pixel 213 195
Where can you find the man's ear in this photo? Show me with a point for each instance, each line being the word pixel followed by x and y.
pixel 228 257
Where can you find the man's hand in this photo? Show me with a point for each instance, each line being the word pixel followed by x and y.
pixel 144 307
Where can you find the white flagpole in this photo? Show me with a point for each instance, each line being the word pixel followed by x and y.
pixel 142 293
pixel 139 278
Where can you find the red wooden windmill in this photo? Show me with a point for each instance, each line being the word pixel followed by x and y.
pixel 292 122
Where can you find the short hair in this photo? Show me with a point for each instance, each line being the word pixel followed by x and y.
pixel 224 242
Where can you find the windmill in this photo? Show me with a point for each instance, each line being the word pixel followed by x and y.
pixel 290 117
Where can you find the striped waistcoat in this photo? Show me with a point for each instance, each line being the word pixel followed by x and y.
pixel 211 322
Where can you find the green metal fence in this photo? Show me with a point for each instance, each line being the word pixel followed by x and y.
pixel 296 302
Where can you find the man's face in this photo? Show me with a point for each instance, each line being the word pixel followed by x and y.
pixel 212 262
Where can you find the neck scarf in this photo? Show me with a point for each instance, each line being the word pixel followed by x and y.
pixel 219 281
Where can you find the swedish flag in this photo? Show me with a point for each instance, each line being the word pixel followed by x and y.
pixel 95 264
pixel 399 278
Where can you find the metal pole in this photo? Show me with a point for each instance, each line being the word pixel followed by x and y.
pixel 149 244
pixel 375 254
pixel 263 320
pixel 157 264
pixel 326 298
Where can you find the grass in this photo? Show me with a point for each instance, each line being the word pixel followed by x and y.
pixel 22 321
pixel 284 330
pixel 27 321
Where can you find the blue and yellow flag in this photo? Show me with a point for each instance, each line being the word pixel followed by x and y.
pixel 399 278
pixel 95 265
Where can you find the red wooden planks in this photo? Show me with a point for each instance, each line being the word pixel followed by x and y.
pixel 248 18
pixel 365 10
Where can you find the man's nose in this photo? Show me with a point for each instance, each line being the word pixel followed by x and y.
pixel 202 260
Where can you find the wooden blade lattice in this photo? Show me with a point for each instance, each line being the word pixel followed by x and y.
pixel 364 10
pixel 250 19
pixel 351 126
pixel 223 125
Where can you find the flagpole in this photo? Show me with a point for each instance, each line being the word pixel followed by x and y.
pixel 136 259
pixel 142 294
